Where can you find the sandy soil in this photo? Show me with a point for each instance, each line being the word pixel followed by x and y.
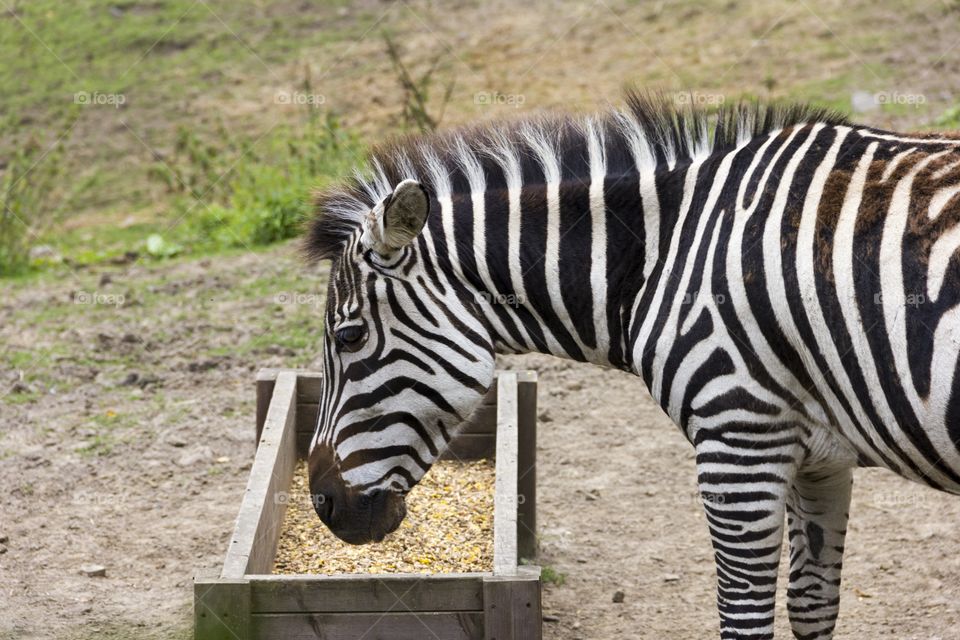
pixel 130 444
pixel 154 504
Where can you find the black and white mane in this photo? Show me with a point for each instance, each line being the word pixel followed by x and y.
pixel 653 126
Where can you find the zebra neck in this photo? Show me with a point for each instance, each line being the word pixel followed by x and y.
pixel 556 268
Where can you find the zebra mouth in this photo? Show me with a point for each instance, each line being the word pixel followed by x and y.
pixel 366 518
pixel 353 516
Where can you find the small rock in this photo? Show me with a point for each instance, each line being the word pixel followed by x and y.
pixel 581 560
pixel 93 570
pixel 131 338
pixel 146 381
pixel 131 379
pixel 4 538
pixel 549 618
pixel 175 440
pixel 105 279
pixel 575 626
pixel 671 577
pixel 3 549
pixel 618 596
pixel 545 416
pixel 32 454
pixel 199 367
pixel 194 456
pixel 21 387
pixel 576 385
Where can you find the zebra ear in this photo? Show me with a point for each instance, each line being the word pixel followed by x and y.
pixel 395 222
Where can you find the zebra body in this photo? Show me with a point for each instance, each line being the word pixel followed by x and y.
pixel 788 290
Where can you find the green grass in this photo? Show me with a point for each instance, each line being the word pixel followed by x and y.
pixel 131 91
pixel 110 429
pixel 549 575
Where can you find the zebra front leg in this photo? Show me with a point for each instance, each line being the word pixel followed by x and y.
pixel 744 494
pixel 817 511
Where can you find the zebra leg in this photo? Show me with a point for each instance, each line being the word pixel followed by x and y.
pixel 744 495
pixel 817 510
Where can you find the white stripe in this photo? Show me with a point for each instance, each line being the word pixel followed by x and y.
pixel 598 235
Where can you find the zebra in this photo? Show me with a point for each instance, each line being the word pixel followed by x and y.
pixel 785 282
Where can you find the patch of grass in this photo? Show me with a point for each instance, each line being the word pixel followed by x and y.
pixel 948 120
pixel 107 426
pixel 549 575
pixel 127 76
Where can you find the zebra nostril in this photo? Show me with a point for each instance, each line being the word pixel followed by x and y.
pixel 323 505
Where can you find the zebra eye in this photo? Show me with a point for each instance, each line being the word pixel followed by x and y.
pixel 350 338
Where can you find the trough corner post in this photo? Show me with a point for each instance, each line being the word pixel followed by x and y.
pixel 221 608
pixel 511 606
pixel 526 465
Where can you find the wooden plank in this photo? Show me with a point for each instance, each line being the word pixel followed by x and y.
pixel 512 608
pixel 266 379
pixel 527 465
pixel 257 530
pixel 221 609
pixel 397 625
pixel 307 416
pixel 482 420
pixel 363 593
pixel 471 446
pixel 505 486
pixel 309 384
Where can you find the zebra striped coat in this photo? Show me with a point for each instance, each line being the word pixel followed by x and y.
pixel 787 286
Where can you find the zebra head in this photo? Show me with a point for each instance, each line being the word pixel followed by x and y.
pixel 406 358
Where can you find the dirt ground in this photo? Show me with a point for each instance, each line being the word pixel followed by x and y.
pixel 129 442
pixel 151 492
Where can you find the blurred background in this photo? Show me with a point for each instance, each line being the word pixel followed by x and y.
pixel 156 159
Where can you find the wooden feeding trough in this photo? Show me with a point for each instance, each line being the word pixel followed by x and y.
pixel 246 601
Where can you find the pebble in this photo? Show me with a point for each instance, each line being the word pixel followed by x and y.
pixel 618 596
pixel 4 538
pixel 549 618
pixel 194 456
pixel 3 549
pixel 545 416
pixel 93 570
pixel 671 577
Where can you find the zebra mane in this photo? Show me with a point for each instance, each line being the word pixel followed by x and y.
pixel 653 130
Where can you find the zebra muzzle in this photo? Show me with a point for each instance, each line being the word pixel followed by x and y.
pixel 354 516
